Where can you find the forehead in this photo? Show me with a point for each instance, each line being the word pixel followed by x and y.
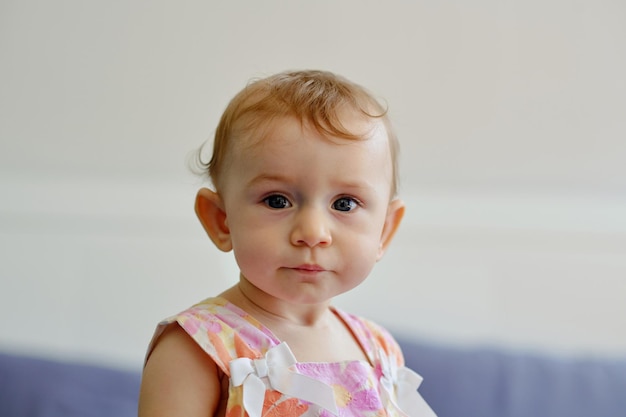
pixel 286 130
pixel 288 146
pixel 286 134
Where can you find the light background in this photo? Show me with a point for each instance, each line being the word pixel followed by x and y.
pixel 512 118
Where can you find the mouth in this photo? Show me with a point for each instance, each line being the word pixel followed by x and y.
pixel 308 268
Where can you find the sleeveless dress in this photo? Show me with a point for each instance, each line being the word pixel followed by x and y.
pixel 267 380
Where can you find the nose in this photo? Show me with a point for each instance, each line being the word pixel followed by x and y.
pixel 311 228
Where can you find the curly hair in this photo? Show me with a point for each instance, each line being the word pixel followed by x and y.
pixel 320 98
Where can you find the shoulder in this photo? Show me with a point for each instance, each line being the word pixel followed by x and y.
pixel 220 329
pixel 176 375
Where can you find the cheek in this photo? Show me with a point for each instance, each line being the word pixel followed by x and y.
pixel 253 248
pixel 362 251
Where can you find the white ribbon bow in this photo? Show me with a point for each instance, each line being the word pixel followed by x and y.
pixel 274 372
pixel 404 382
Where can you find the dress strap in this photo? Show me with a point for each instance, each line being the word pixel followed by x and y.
pixel 222 330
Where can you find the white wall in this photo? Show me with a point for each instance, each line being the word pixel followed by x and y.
pixel 511 118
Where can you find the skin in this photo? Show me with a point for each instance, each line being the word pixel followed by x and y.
pixel 307 219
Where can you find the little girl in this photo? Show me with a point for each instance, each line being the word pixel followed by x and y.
pixel 304 170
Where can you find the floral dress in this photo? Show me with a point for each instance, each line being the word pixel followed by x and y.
pixel 267 380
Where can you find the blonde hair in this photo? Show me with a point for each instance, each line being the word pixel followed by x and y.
pixel 316 97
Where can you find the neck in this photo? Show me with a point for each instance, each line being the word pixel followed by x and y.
pixel 274 312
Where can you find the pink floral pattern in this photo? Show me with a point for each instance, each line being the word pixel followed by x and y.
pixel 226 332
pixel 353 383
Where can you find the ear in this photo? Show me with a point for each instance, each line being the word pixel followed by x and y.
pixel 210 212
pixel 395 213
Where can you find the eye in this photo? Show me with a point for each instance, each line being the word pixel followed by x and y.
pixel 345 204
pixel 277 201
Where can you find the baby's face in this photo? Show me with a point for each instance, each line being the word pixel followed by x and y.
pixel 306 213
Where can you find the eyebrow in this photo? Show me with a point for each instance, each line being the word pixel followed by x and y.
pixel 268 178
pixel 350 185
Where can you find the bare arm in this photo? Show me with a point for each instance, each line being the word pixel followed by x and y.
pixel 179 379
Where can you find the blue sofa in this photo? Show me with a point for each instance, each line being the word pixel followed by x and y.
pixel 486 382
pixel 33 387
pixel 457 383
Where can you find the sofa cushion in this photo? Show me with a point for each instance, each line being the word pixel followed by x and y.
pixel 31 387
pixel 484 382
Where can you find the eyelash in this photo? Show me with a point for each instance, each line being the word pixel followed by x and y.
pixel 267 200
pixel 285 203
pixel 356 203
